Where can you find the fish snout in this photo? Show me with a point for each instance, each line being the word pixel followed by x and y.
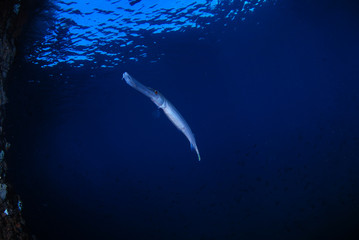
pixel 125 75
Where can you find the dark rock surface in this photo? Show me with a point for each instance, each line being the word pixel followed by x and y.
pixel 12 19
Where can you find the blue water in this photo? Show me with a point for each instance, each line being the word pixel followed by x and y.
pixel 269 88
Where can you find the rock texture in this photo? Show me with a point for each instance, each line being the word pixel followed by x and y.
pixel 12 225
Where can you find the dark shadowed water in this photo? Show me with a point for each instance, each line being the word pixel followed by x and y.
pixel 269 88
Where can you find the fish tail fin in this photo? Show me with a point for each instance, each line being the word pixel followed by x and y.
pixel 195 148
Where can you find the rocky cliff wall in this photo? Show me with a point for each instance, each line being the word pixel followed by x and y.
pixel 13 17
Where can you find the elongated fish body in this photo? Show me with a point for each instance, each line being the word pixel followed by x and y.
pixel 171 112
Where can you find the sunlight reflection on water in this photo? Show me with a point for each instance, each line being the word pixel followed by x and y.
pixel 116 32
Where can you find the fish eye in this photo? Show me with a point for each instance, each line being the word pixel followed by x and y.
pixel 156 92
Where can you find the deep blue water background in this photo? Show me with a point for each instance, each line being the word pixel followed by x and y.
pixel 274 105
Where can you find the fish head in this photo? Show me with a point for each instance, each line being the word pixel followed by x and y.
pixel 157 98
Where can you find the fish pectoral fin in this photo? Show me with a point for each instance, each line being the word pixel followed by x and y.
pixel 156 113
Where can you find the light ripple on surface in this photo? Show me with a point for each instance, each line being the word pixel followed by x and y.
pixel 85 30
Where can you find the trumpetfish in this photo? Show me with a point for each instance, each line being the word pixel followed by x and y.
pixel 171 112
